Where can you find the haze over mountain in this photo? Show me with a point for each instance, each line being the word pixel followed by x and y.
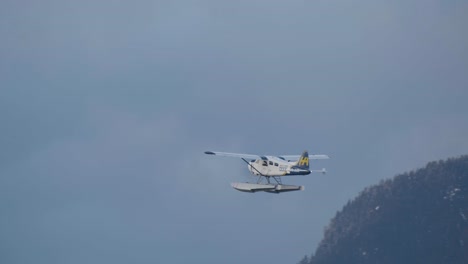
pixel 416 217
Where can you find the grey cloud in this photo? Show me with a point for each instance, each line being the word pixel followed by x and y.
pixel 106 109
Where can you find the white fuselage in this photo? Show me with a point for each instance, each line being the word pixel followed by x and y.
pixel 274 166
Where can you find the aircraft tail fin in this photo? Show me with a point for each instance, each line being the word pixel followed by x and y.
pixel 303 162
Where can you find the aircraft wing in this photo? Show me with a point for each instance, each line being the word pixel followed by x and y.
pixel 313 157
pixel 235 155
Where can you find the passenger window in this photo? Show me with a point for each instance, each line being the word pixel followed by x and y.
pixel 276 164
pixel 265 163
pixel 271 162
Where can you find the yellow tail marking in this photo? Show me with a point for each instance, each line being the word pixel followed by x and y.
pixel 304 161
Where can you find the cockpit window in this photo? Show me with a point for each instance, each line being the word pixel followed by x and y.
pixel 265 163
pixel 270 162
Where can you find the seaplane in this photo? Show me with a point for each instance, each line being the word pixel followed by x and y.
pixel 270 170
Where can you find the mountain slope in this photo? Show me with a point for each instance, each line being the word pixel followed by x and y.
pixel 416 217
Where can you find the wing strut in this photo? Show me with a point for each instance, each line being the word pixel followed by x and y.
pixel 252 167
pixel 277 179
pixel 260 174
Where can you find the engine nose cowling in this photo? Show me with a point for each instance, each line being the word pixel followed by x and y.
pixel 252 170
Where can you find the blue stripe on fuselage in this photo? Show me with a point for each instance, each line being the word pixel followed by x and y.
pixel 299 172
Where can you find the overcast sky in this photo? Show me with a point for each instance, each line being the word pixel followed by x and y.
pixel 106 108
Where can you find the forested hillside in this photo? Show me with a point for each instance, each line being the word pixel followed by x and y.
pixel 416 217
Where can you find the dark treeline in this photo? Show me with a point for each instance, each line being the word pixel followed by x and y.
pixel 416 217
